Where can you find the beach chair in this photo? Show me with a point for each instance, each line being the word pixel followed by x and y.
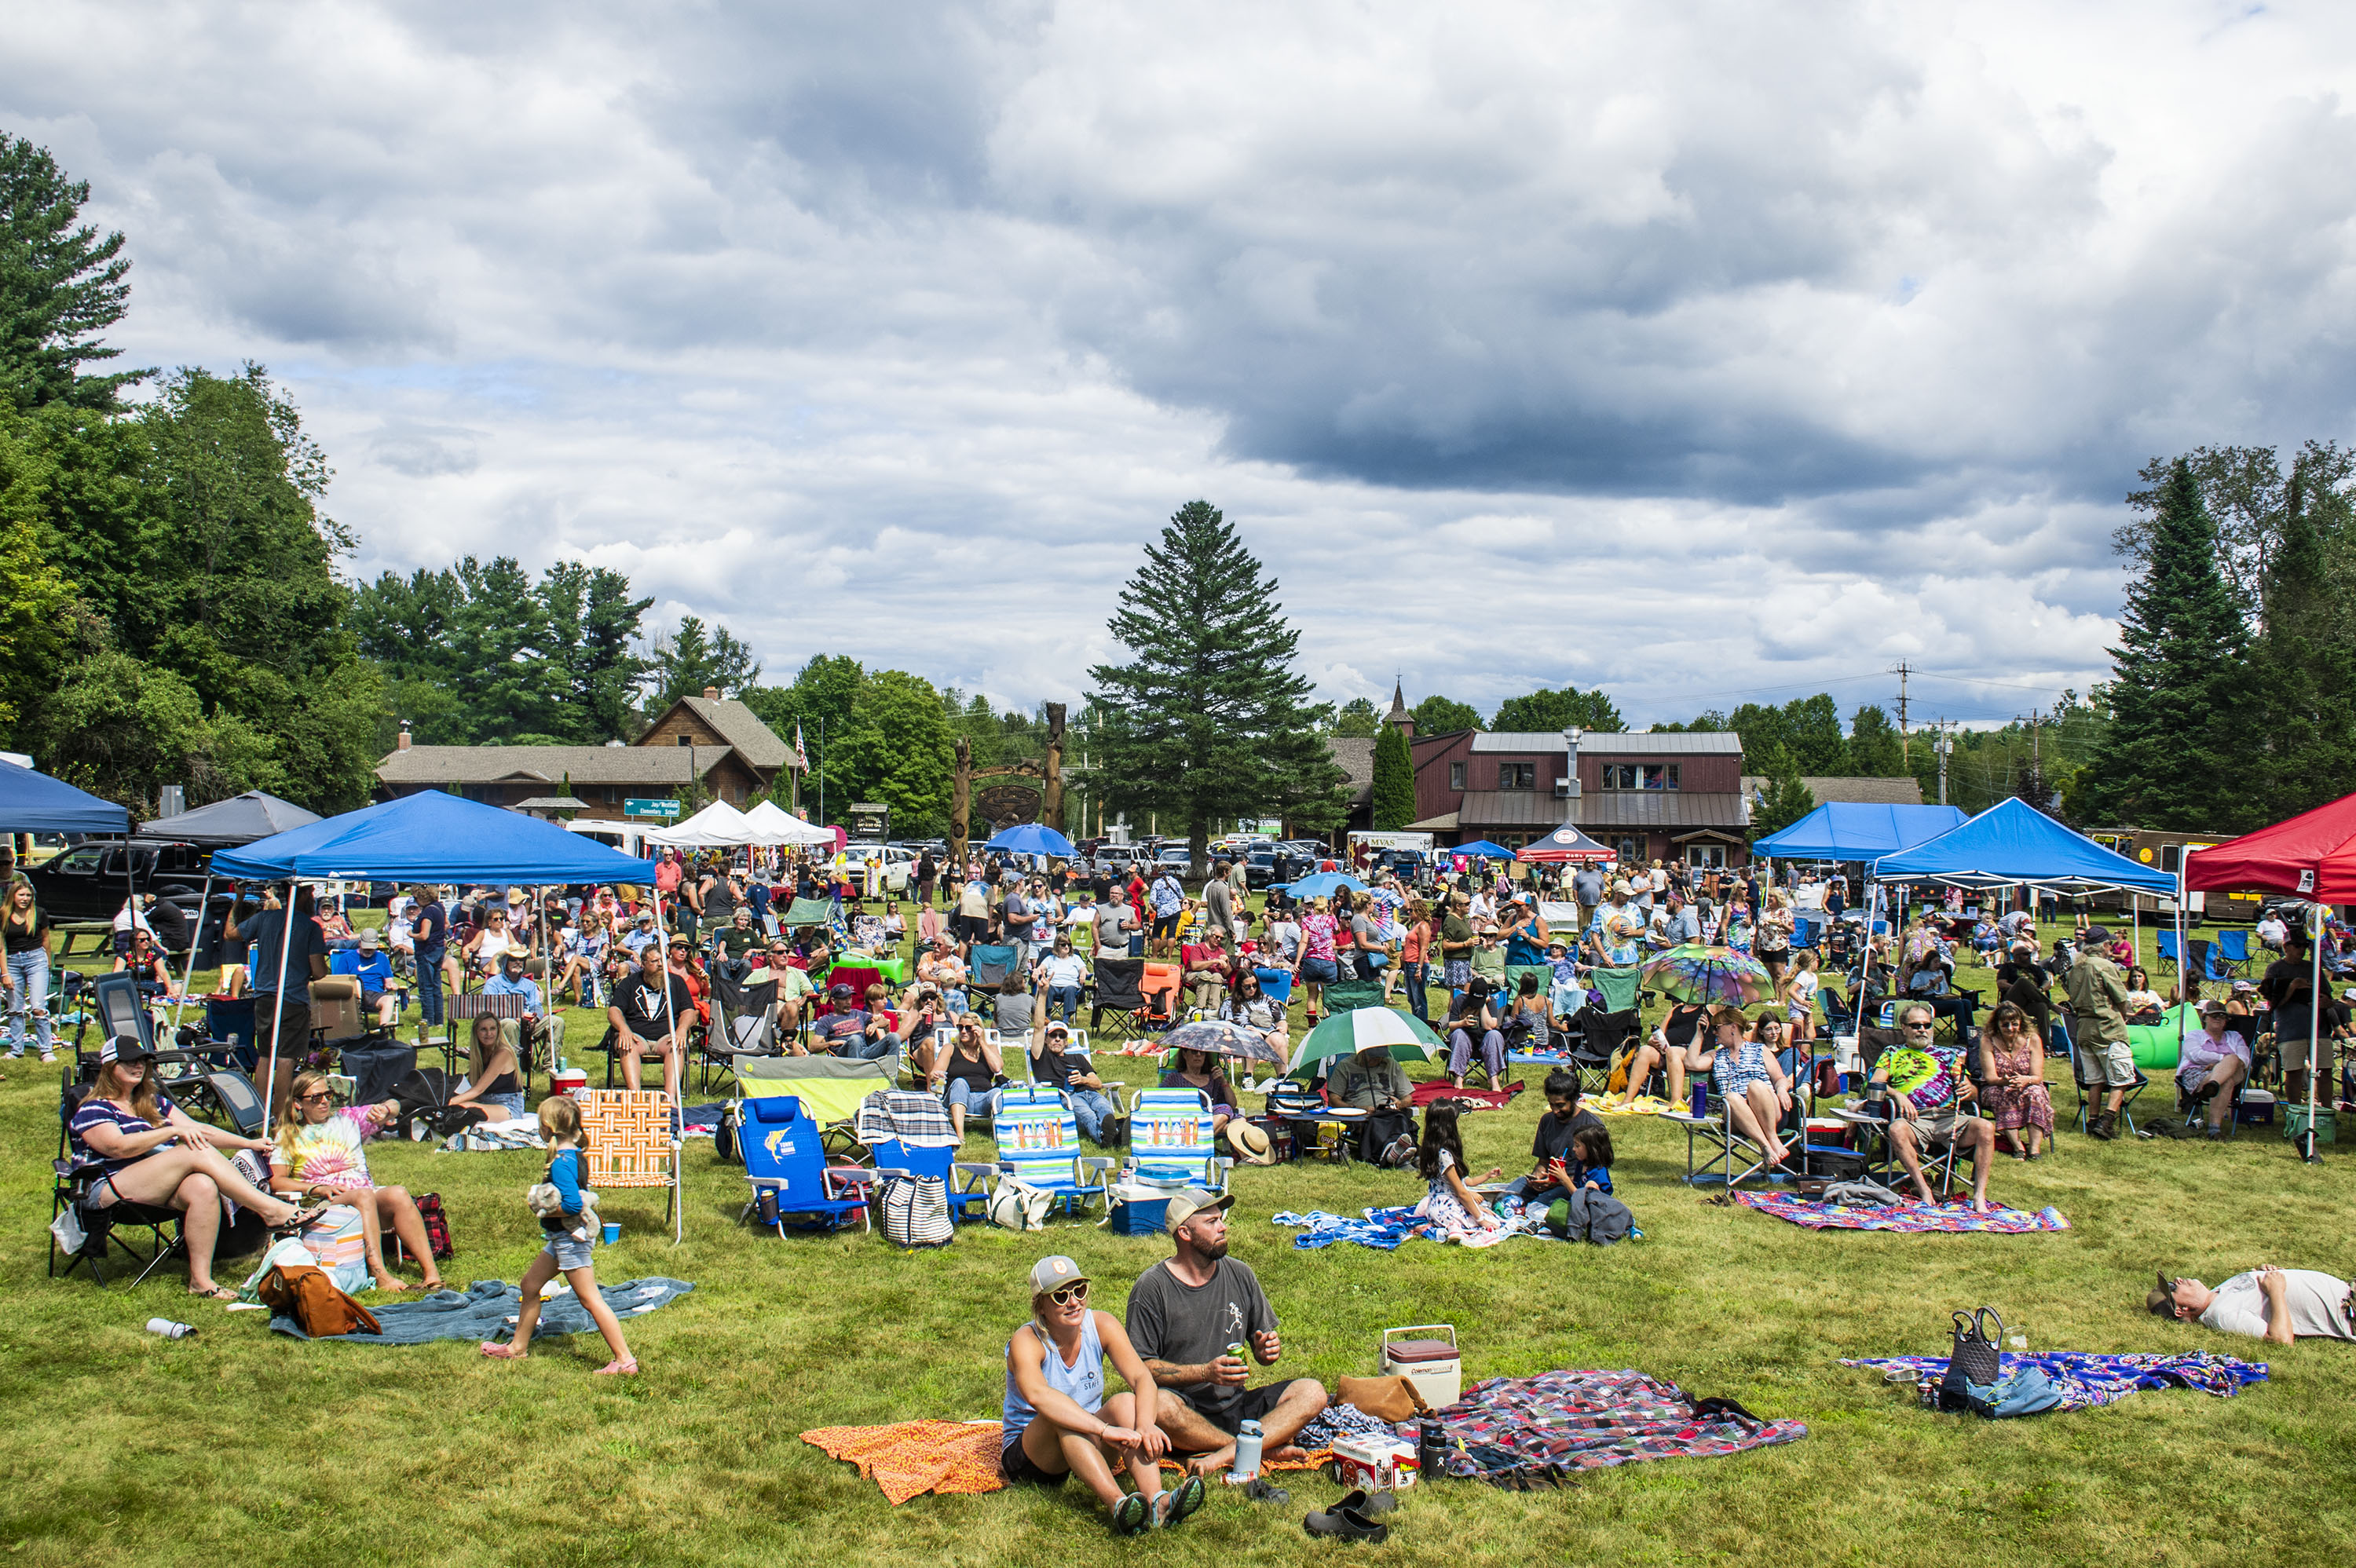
pixel 631 1145
pixel 1171 1143
pixel 72 1191
pixel 1038 1143
pixel 744 1023
pixel 1276 984
pixel 988 966
pixel 119 1009
pixel 785 1162
pixel 1714 1150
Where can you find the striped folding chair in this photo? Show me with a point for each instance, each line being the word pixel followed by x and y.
pixel 1170 1142
pixel 459 1014
pixel 1039 1144
pixel 631 1145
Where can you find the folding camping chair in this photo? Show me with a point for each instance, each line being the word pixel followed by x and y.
pixel 1304 1113
pixel 1038 1143
pixel 1162 985
pixel 119 1009
pixel 744 1023
pixel 1732 1156
pixel 2233 950
pixel 989 964
pixel 2170 955
pixel 911 1138
pixel 72 1193
pixel 1276 984
pixel 631 1145
pixel 1119 991
pixel 785 1161
pixel 2097 1087
pixel 1170 1142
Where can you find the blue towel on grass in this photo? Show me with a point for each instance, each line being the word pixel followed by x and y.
pixel 486 1307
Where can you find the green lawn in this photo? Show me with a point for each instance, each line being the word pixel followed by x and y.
pixel 124 1448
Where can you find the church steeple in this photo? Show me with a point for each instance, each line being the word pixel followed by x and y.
pixel 1399 714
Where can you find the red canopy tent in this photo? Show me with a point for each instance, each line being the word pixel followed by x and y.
pixel 2311 856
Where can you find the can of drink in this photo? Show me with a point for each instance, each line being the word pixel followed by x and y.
pixel 1236 1348
pixel 169 1329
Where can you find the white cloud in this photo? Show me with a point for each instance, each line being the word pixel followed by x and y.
pixel 1682 349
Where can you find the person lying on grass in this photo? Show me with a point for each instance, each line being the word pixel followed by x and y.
pixel 1058 1419
pixel 319 1155
pixel 154 1153
pixel 2278 1305
pixel 1929 1098
pixel 1193 1317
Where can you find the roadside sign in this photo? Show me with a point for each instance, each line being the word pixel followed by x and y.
pixel 650 808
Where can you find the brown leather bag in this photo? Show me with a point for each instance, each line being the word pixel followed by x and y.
pixel 1385 1398
pixel 305 1293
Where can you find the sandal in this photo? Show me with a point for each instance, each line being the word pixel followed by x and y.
pixel 498 1352
pixel 620 1367
pixel 1132 1515
pixel 217 1293
pixel 1259 1491
pixel 301 1220
pixel 1171 1508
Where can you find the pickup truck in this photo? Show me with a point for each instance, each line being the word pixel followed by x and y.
pixel 87 882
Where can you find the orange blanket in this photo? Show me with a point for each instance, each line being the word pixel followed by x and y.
pixel 948 1458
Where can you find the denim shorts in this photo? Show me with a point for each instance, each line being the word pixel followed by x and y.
pixel 569 1254
pixel 1320 971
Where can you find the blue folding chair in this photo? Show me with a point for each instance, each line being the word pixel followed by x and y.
pixel 785 1160
pixel 1170 1141
pixel 1038 1141
pixel 2233 947
pixel 1276 984
pixel 1804 932
pixel 2168 952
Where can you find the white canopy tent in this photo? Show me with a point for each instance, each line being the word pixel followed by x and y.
pixel 773 824
pixel 718 825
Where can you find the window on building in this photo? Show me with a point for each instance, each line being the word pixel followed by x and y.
pixel 1631 849
pixel 1660 775
pixel 1456 775
pixel 1706 855
pixel 1517 775
pixel 1623 776
pixel 2169 854
pixel 686 739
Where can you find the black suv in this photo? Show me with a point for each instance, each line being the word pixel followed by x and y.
pixel 89 880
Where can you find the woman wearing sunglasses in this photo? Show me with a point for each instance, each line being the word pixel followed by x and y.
pixel 1058 1419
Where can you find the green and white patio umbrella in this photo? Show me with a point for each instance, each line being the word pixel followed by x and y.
pixel 1407 1038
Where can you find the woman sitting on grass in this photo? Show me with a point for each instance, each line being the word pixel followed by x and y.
pixel 152 1153
pixel 319 1155
pixel 1453 1208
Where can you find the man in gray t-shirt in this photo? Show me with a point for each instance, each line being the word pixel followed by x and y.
pixel 1219 901
pixel 1114 921
pixel 2276 1303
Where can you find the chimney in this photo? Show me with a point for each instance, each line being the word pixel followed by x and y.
pixel 710 694
pixel 403 745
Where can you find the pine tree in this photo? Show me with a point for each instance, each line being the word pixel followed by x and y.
pixel 61 285
pixel 2303 669
pixel 1393 802
pixel 1209 721
pixel 1788 799
pixel 2176 753
pixel 1873 749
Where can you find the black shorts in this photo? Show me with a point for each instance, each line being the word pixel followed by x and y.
pixel 1254 1405
pixel 1016 1467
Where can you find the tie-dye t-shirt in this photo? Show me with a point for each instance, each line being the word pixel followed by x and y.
pixel 329 1153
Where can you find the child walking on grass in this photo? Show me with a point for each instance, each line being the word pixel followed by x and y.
pixel 569 1228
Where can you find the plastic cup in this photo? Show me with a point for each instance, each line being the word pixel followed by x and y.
pixel 613 1231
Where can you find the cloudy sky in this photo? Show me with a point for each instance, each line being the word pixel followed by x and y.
pixel 1700 351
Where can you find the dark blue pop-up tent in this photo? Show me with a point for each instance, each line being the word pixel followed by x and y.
pixel 430 837
pixel 2012 842
pixel 1845 830
pixel 35 803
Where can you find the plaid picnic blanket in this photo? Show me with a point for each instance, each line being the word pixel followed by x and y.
pixel 1510 1432
pixel 2087 1379
pixel 1913 1218
pixel 916 1120
pixel 1472 1098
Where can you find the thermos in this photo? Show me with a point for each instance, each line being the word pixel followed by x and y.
pixel 1430 1450
pixel 171 1330
pixel 1248 1446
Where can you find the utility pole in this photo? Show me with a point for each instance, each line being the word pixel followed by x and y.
pixel 1944 746
pixel 1902 669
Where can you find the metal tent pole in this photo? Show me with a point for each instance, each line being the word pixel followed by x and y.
pixel 2183 971
pixel 278 1000
pixel 671 1032
pixel 196 940
pixel 2313 1150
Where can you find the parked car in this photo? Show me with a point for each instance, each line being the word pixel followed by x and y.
pixel 88 881
pixel 1180 858
pixel 1264 868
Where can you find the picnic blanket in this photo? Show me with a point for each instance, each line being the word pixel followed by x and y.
pixel 2086 1379
pixel 486 1310
pixel 1474 1099
pixel 1510 1432
pixel 1913 1218
pixel 1387 1229
pixel 1642 1106
pixel 953 1459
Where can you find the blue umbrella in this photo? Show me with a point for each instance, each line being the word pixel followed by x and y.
pixel 1031 838
pixel 1480 850
pixel 1324 885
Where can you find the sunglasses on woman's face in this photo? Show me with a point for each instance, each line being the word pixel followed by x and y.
pixel 1070 1295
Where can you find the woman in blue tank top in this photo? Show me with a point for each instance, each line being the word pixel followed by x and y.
pixel 1059 1421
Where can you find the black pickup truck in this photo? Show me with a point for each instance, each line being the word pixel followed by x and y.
pixel 89 880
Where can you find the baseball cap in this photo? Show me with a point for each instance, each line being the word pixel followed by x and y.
pixel 368 938
pixel 839 990
pixel 1054 1274
pixel 125 1047
pixel 1189 1202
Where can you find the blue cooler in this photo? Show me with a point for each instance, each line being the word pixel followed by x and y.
pixel 1140 1218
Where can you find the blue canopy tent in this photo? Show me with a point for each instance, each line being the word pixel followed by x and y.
pixel 2011 843
pixel 1480 849
pixel 35 803
pixel 1319 885
pixel 429 836
pixel 1032 838
pixel 1842 830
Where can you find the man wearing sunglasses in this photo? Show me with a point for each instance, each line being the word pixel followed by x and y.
pixel 1930 1096
pixel 794 988
pixel 1185 1314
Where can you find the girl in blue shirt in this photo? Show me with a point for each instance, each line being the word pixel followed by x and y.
pixel 560 1127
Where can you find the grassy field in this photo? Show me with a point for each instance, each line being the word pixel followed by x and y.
pixel 124 1448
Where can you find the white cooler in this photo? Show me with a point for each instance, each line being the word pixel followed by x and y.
pixel 1436 1367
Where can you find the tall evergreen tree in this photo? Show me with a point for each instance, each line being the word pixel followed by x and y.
pixel 2303 669
pixel 696 656
pixel 1393 802
pixel 1873 749
pixel 1209 720
pixel 2175 754
pixel 61 284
